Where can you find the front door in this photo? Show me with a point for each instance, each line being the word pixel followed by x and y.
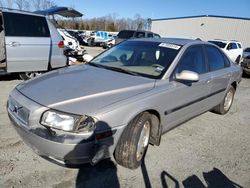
pixel 187 99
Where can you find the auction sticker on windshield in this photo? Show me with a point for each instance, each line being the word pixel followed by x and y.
pixel 172 46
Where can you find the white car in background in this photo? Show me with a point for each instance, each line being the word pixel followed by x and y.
pixel 232 48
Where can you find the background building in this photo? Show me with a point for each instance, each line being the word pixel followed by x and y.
pixel 205 27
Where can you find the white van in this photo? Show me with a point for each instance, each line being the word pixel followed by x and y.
pixel 29 44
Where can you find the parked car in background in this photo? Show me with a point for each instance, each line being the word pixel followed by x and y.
pixel 108 43
pixel 77 35
pixel 246 52
pixel 246 61
pixel 124 99
pixel 97 38
pixel 232 48
pixel 127 34
pixel 30 43
pixel 71 44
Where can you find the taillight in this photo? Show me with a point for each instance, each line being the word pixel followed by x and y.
pixel 61 44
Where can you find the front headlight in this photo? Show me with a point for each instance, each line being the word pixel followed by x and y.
pixel 67 122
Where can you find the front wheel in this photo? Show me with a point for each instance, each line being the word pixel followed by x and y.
pixel 29 75
pixel 133 143
pixel 226 103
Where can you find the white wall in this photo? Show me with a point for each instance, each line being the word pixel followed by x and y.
pixel 205 28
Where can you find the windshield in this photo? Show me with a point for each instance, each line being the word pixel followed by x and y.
pixel 149 59
pixel 219 44
pixel 247 50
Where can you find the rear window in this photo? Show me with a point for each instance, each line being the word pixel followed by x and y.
pixel 218 43
pixel 21 25
pixel 125 34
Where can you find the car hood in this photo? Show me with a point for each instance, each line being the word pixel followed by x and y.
pixel 83 89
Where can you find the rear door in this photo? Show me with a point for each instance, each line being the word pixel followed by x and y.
pixel 219 66
pixel 27 39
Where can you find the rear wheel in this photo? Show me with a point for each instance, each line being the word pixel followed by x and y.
pixel 91 42
pixel 133 143
pixel 226 104
pixel 29 75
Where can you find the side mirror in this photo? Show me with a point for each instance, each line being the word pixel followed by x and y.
pixel 187 76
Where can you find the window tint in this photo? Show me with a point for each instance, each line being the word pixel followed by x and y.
pixel 25 25
pixel 140 35
pixel 218 43
pixel 193 60
pixel 157 36
pixel 232 46
pixel 227 61
pixel 215 58
pixel 239 45
pixel 150 35
pixel 125 34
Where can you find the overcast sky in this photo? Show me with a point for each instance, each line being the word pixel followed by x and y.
pixel 159 8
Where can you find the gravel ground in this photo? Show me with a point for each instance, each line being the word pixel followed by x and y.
pixel 207 151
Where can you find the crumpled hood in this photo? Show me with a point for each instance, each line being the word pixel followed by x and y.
pixel 83 89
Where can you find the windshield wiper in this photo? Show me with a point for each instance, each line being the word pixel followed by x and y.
pixel 115 69
pixel 126 71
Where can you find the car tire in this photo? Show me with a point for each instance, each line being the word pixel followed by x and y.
pixel 91 42
pixel 29 75
pixel 226 103
pixel 132 146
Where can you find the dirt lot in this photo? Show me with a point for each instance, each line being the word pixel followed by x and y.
pixel 208 151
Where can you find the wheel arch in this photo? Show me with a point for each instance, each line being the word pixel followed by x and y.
pixel 156 129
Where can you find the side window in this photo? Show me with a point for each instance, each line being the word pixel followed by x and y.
pixel 193 60
pixel 139 35
pixel 227 61
pixel 215 58
pixel 234 46
pixel 150 35
pixel 22 25
pixel 239 45
pixel 157 36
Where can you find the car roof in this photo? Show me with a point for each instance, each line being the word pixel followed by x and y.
pixel 177 41
pixel 138 30
pixel 9 10
pixel 223 40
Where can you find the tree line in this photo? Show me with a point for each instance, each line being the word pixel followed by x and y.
pixel 106 23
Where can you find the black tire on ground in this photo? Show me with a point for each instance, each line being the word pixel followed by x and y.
pixel 91 42
pixel 29 75
pixel 226 103
pixel 128 152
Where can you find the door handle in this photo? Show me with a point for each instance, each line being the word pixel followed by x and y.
pixel 14 44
